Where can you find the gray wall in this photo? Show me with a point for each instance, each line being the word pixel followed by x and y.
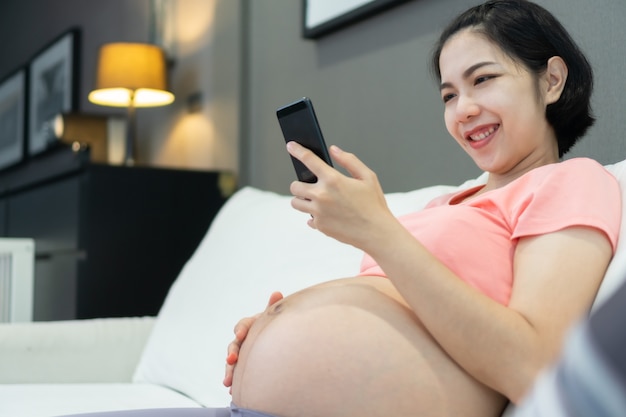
pixel 27 26
pixel 370 82
pixel 375 97
pixel 207 57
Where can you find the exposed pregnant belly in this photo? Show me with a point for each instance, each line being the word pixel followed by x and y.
pixel 352 347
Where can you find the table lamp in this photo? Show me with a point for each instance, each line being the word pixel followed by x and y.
pixel 131 75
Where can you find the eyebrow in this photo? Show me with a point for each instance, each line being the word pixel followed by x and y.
pixel 468 72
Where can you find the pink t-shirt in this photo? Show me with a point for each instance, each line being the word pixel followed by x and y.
pixel 477 238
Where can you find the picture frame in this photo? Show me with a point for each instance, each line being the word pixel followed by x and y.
pixel 52 89
pixel 12 118
pixel 321 17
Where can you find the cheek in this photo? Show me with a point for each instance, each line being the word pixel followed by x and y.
pixel 450 121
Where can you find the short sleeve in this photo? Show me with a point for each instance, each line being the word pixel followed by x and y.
pixel 577 192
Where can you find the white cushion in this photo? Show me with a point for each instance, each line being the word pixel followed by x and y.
pixel 616 273
pixel 45 400
pixel 72 351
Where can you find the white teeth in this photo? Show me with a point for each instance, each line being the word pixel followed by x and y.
pixel 483 135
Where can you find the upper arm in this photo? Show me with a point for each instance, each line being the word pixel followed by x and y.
pixel 556 278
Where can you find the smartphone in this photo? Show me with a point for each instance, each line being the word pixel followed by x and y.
pixel 299 123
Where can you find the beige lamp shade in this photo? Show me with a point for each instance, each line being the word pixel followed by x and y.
pixel 131 74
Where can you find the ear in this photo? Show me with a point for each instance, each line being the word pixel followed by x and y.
pixel 556 76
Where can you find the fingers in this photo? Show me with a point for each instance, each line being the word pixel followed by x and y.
pixel 228 375
pixel 232 356
pixel 313 162
pixel 304 192
pixel 275 297
pixel 241 332
pixel 231 360
pixel 355 167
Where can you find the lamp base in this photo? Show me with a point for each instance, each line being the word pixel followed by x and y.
pixel 131 134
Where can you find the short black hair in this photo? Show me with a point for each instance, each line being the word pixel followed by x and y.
pixel 531 35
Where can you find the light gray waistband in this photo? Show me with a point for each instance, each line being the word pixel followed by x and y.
pixel 244 412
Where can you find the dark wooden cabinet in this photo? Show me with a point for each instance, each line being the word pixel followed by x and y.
pixel 109 240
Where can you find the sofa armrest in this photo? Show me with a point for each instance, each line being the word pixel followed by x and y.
pixel 95 350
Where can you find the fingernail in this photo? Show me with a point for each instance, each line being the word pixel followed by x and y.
pixel 231 359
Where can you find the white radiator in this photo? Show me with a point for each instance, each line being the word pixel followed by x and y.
pixel 17 258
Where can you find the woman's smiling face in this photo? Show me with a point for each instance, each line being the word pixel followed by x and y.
pixel 494 107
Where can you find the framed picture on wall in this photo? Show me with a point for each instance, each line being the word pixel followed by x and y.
pixel 53 85
pixel 321 17
pixel 12 118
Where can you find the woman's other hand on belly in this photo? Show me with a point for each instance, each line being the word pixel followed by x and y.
pixel 241 332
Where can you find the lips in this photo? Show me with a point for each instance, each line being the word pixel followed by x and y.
pixel 481 133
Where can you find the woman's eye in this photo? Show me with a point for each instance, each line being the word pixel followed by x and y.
pixel 447 97
pixel 483 78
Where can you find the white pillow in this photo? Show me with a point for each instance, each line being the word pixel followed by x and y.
pixel 616 273
pixel 257 244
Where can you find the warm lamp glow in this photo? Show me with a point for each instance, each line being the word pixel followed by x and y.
pixel 131 75
pixel 121 97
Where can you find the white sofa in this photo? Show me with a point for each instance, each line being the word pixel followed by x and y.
pixel 257 244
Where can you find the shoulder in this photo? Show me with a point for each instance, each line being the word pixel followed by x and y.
pixel 575 192
pixel 579 174
pixel 575 168
pixel 576 179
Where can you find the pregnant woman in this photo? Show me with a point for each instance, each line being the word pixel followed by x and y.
pixel 458 306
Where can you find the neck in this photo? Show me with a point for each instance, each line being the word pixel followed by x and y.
pixel 498 180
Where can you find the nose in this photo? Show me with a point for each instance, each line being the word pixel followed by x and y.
pixel 466 108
